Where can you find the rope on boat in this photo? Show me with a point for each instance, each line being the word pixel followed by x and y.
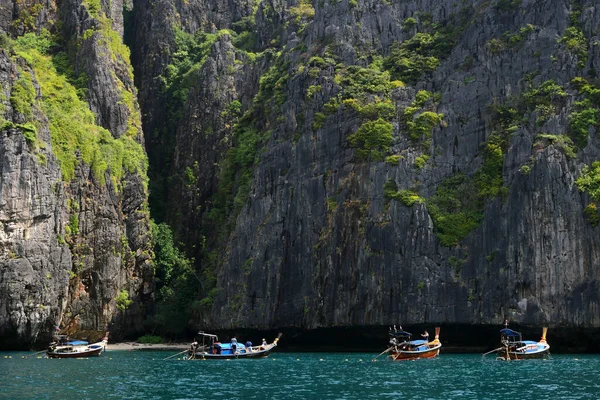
pixel 175 355
pixel 491 351
pixel 39 352
pixel 383 352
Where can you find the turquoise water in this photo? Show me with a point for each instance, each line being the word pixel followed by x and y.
pixel 144 375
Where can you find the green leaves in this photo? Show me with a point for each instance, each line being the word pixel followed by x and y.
pixel 75 135
pixel 589 181
pixel 420 127
pixel 169 262
pixel 456 209
pixel 420 55
pixel 576 43
pixel 587 112
pixel 176 283
pixel 22 95
pixel 372 139
pixel 411 59
pixel 423 124
pixel 122 300
pixel 407 197
pixel 580 122
pixel 358 82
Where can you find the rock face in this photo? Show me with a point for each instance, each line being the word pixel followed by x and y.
pixel 311 239
pixel 329 164
pixel 35 266
pixel 76 248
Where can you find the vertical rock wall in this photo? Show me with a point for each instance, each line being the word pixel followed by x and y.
pixel 34 274
pixel 316 242
pixel 72 246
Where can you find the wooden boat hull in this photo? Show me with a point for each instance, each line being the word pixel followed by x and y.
pixel 93 350
pixel 76 354
pixel 209 356
pixel 415 355
pixel 513 355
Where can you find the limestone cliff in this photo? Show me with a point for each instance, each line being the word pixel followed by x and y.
pixel 76 251
pixel 344 163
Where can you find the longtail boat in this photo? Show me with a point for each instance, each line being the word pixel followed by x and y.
pixel 212 348
pixel 68 348
pixel 515 348
pixel 404 348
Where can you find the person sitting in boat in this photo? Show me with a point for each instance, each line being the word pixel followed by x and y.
pixel 248 346
pixel 233 345
pixel 425 336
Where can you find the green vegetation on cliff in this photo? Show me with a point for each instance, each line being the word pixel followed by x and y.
pixel 407 197
pixel 509 40
pixel 23 95
pixel 458 204
pixel 589 181
pixel 420 120
pixel 587 112
pixel 574 39
pixel 122 300
pixel 372 140
pixel 189 54
pixel 410 59
pixel 456 209
pixel 75 135
pixel 366 91
pixel 176 283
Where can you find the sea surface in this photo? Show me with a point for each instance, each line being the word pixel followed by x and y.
pixel 145 375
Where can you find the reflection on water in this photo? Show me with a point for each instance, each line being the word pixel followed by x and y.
pixel 144 375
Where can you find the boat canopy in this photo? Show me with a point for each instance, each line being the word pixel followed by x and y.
pixel 526 342
pixel 214 337
pixel 77 342
pixel 227 346
pixel 67 341
pixel 510 332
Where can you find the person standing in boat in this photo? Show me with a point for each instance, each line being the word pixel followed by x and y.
pixel 233 345
pixel 393 343
pixel 425 336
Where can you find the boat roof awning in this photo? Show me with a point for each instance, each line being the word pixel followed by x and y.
pixel 201 333
pixel 510 332
pixel 528 342
pixel 77 342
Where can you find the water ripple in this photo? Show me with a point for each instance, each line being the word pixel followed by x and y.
pixel 144 375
